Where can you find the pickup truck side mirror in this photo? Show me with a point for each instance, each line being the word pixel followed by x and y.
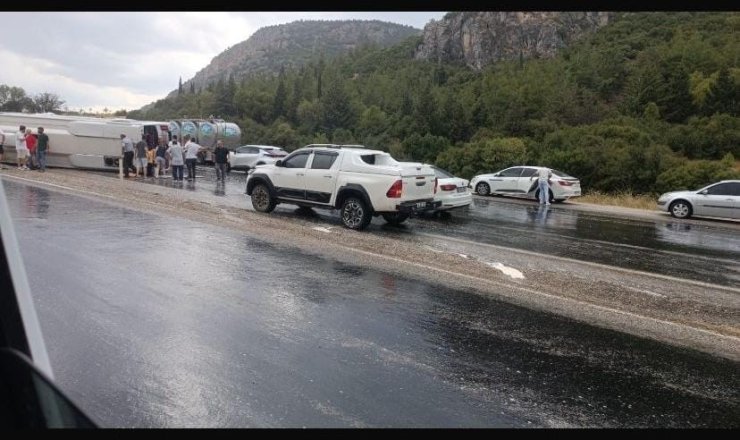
pixel 279 163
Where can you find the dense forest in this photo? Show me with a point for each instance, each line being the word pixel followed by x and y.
pixel 649 103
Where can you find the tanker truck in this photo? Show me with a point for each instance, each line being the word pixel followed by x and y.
pixel 80 141
pixel 206 133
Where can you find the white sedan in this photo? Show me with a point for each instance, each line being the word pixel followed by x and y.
pixel 521 181
pixel 721 199
pixel 452 191
pixel 249 156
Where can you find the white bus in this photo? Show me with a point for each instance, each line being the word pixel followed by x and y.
pixel 79 141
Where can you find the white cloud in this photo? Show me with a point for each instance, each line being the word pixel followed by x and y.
pixel 129 59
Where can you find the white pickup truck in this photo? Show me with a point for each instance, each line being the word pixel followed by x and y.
pixel 360 182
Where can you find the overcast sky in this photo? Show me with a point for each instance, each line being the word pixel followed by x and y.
pixel 124 60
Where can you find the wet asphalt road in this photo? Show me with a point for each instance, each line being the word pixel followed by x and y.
pixel 152 321
pixel 700 250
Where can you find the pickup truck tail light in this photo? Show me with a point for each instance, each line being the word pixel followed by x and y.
pixel 435 184
pixel 395 190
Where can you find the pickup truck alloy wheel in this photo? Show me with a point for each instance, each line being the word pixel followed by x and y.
pixel 483 189
pixel 680 209
pixel 261 198
pixel 355 214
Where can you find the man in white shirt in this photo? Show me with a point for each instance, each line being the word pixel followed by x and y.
pixel 543 183
pixel 127 148
pixel 191 156
pixel 20 147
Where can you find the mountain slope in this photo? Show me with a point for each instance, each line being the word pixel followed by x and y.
pixel 293 44
pixel 478 39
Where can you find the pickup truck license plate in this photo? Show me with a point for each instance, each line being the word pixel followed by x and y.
pixel 421 204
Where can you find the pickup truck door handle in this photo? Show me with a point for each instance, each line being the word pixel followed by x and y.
pixel 299 174
pixel 328 177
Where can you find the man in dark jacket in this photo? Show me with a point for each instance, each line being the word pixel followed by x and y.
pixel 221 157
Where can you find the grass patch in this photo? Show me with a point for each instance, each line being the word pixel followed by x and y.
pixel 625 200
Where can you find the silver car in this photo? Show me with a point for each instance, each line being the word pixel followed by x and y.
pixel 721 199
pixel 452 191
pixel 249 156
pixel 521 181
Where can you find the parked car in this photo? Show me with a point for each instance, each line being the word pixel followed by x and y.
pixel 452 192
pixel 721 199
pixel 359 182
pixel 249 156
pixel 521 181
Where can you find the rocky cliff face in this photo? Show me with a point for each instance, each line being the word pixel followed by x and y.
pixel 294 44
pixel 478 39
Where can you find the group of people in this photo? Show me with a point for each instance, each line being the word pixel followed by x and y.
pixel 156 161
pixel 30 148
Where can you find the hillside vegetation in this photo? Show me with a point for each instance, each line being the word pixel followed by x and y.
pixel 650 102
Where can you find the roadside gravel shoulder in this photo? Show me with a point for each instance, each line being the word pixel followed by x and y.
pixel 580 293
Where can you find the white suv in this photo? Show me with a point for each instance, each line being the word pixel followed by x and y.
pixel 362 183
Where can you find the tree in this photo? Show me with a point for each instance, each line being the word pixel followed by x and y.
pixel 651 113
pixel 425 109
pixel 309 115
pixel 372 121
pixel 673 93
pixel 179 87
pixel 424 148
pixel 319 73
pixel 14 99
pixel 337 111
pixel 723 96
pixel 47 102
pixel 279 102
pixel 295 99
pixel 192 87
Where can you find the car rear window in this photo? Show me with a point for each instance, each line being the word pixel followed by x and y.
pixel 442 174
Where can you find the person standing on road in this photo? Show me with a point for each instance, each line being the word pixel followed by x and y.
pixel 151 153
pixel 543 185
pixel 191 156
pixel 140 157
pixel 41 149
pixel 21 151
pixel 31 146
pixel 169 144
pixel 176 160
pixel 2 148
pixel 160 159
pixel 221 156
pixel 127 148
